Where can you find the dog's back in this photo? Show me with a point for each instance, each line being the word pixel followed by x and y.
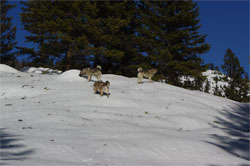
pixel 92 72
pixel 149 73
pixel 101 87
pixel 95 72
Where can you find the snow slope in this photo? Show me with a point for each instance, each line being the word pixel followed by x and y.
pixel 57 120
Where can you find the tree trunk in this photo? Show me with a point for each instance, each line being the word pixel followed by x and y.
pixel 69 59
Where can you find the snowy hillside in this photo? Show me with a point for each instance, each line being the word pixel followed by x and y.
pixel 57 120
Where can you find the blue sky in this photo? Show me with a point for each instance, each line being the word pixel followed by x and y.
pixel 225 22
pixel 227 25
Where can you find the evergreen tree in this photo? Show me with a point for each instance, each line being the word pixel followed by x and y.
pixel 35 18
pixel 231 66
pixel 59 28
pixel 170 37
pixel 217 92
pixel 244 89
pixel 232 69
pixel 8 35
pixel 114 36
pixel 118 35
pixel 207 86
pixel 211 66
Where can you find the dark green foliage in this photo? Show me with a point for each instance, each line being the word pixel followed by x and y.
pixel 76 33
pixel 118 35
pixel 211 66
pixel 59 31
pixel 238 87
pixel 188 85
pixel 244 89
pixel 169 35
pixel 115 45
pixel 207 87
pixel 217 91
pixel 231 66
pixel 8 36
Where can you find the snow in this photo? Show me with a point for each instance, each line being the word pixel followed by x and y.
pixel 71 75
pixel 57 120
pixel 6 68
pixel 40 70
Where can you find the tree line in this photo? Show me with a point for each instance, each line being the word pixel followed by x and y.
pixel 118 35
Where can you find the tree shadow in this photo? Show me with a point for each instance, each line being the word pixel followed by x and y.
pixel 11 149
pixel 236 126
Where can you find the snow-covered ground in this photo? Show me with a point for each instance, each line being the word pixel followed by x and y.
pixel 57 120
pixel 40 70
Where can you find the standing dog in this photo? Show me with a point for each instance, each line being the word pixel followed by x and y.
pixel 92 72
pixel 101 87
pixel 147 74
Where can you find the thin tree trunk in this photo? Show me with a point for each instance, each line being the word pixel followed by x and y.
pixel 69 59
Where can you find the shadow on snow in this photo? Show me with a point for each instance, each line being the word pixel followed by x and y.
pixel 10 148
pixel 236 125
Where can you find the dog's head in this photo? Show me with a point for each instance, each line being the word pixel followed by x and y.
pixel 140 70
pixel 83 72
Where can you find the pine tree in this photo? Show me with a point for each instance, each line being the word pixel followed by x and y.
pixel 211 66
pixel 244 89
pixel 217 92
pixel 35 18
pixel 114 37
pixel 170 37
pixel 231 66
pixel 232 69
pixel 8 36
pixel 59 29
pixel 207 86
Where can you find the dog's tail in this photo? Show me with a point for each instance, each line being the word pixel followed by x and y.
pixel 99 67
pixel 140 69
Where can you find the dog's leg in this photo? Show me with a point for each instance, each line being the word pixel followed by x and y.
pixel 101 92
pixel 108 92
pixel 99 78
pixel 139 80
